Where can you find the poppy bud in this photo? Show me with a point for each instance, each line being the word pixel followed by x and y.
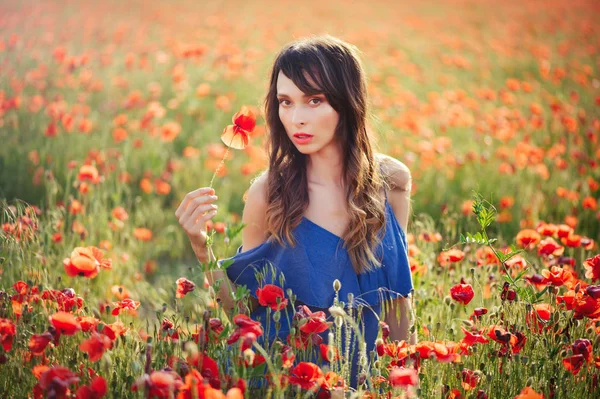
pixel 337 285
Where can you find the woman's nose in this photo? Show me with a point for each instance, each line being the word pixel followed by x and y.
pixel 298 116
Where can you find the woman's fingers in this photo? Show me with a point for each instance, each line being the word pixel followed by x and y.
pixel 195 203
pixel 195 216
pixel 190 197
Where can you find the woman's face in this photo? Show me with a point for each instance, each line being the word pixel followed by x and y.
pixel 309 121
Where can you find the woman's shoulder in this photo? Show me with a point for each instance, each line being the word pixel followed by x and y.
pixel 395 171
pixel 255 208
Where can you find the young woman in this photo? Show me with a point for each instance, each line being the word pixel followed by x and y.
pixel 328 208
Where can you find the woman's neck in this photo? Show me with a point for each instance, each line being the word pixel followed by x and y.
pixel 325 168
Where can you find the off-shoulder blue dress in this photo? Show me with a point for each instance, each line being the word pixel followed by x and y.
pixel 310 268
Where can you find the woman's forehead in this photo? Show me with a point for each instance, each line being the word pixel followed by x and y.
pixel 286 86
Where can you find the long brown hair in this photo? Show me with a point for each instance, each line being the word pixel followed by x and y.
pixel 335 68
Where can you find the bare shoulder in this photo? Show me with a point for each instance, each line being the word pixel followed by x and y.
pixel 396 171
pixel 255 209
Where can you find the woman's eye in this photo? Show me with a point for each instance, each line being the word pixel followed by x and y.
pixel 317 99
pixel 281 102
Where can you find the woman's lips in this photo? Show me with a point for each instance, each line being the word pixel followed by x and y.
pixel 302 139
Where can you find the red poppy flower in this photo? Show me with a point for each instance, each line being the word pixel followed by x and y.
pixel 542 311
pixel 95 346
pixel 470 379
pixel 573 363
pixel 564 230
pixel 268 295
pixel 55 382
pixel 548 247
pixel 462 293
pixel 244 325
pixel 237 135
pixel 65 323
pixel 88 323
pixel 7 333
pixel 307 375
pixel 95 390
pixel 38 343
pixel 126 304
pixel 539 281
pixel 586 306
pixel 162 384
pixel 403 377
pixel 184 286
pixel 558 276
pixel 314 322
pixel 472 338
pixel 592 268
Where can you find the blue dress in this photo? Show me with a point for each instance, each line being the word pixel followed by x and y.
pixel 310 268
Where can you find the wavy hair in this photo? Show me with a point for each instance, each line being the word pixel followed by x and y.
pixel 335 69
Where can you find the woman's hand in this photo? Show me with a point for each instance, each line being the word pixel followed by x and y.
pixel 194 211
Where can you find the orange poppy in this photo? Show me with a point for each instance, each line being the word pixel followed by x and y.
pixel 450 256
pixel 558 276
pixel 142 234
pixel 529 393
pixel 89 173
pixel 86 262
pixel 527 238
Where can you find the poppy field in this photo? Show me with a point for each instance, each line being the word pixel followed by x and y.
pixel 111 112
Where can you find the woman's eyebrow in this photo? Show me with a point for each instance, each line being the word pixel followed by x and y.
pixel 303 96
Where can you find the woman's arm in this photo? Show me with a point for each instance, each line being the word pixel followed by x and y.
pixel 399 315
pixel 399 319
pixel 253 234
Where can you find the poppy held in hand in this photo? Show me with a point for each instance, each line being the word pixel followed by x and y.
pixel 462 293
pixel 237 135
pixel 268 295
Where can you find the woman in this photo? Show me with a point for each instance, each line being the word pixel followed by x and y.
pixel 328 208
